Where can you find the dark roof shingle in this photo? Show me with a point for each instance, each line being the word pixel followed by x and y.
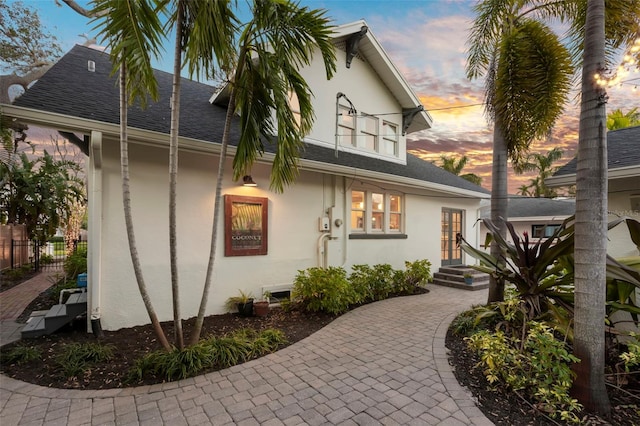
pixel 623 150
pixel 69 88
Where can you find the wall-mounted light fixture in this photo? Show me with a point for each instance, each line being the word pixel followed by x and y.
pixel 247 180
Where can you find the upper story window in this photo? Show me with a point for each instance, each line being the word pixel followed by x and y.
pixel 369 137
pixel 346 126
pixel 376 212
pixel 543 231
pixel 389 138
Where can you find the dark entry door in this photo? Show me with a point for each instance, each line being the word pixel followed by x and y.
pixel 451 225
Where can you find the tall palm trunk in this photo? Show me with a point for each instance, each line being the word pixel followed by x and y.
pixel 591 222
pixel 197 328
pixel 126 201
pixel 499 204
pixel 173 177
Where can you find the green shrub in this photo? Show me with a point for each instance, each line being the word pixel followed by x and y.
pixel 540 366
pixel 77 358
pixel 371 284
pixel 76 263
pixel 215 352
pixel 416 274
pixel 323 289
pixel 631 357
pixel 62 284
pixel 20 354
pixel 46 259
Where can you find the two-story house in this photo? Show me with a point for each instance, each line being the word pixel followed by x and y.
pixel 360 197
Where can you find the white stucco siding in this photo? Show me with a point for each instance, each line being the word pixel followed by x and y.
pixel 292 234
pixel 620 244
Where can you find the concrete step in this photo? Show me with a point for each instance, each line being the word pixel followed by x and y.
pixel 453 276
pixel 56 317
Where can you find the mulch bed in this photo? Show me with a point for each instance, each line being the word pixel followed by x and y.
pixel 135 342
pixel 504 407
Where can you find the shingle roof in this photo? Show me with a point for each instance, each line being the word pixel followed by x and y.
pixel 623 150
pixel 535 207
pixel 68 88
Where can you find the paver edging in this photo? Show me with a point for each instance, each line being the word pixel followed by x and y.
pixel 456 391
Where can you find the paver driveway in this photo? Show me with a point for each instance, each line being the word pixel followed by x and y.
pixel 383 363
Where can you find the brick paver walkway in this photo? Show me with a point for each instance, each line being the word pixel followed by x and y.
pixel 14 300
pixel 383 363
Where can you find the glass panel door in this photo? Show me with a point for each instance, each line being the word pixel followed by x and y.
pixel 451 225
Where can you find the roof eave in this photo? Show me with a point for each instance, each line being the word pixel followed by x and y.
pixel 617 173
pixel 85 126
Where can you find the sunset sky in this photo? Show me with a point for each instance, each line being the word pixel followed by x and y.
pixel 426 39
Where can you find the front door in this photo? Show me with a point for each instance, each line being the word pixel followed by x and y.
pixel 451 254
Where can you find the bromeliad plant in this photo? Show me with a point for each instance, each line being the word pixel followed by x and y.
pixel 542 271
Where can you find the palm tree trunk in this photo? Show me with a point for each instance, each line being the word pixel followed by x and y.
pixel 126 201
pixel 197 328
pixel 499 204
pixel 591 223
pixel 173 178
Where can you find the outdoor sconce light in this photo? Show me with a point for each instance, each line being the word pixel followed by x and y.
pixel 247 180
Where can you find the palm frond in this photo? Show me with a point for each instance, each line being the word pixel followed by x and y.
pixel 532 83
pixel 133 33
pixel 211 26
pixel 281 38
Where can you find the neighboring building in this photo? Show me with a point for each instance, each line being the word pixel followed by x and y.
pixel 539 217
pixel 623 157
pixel 360 197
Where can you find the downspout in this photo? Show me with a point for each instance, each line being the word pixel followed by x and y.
pixel 94 253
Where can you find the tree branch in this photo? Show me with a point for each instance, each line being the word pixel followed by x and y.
pixel 8 80
pixel 81 10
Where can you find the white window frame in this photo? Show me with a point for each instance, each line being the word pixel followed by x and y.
pixel 374 133
pixel 369 209
pixel 392 138
pixel 344 111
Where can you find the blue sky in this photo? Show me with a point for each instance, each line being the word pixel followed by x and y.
pixel 426 40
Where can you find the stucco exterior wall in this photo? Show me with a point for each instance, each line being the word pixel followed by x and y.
pixel 293 233
pixel 620 192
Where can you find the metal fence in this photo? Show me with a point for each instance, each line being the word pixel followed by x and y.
pixel 36 256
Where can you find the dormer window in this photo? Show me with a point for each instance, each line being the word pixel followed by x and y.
pixel 369 137
pixel 389 138
pixel 346 126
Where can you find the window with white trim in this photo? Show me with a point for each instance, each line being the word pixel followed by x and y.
pixel 346 126
pixel 369 137
pixel 389 138
pixel 543 231
pixel 375 212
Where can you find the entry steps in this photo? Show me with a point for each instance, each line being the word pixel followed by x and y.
pixel 58 316
pixel 453 276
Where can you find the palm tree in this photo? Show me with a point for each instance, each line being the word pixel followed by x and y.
pixel 601 29
pixel 527 75
pixel 524 190
pixel 450 165
pixel 191 20
pixel 617 119
pixel 542 163
pixel 591 222
pixel 279 38
pixel 132 31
